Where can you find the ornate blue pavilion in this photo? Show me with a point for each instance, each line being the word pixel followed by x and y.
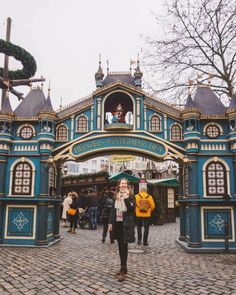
pixel 118 117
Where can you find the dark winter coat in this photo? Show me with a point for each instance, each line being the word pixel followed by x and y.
pixel 74 205
pixel 128 221
pixel 106 205
pixel 92 200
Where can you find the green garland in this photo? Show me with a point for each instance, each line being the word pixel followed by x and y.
pixel 20 54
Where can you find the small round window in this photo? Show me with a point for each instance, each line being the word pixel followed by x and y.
pixel 26 132
pixel 213 131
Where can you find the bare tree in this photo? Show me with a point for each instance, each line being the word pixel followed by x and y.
pixel 198 44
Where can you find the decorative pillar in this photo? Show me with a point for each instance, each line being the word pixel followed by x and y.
pixel 56 227
pixel 44 169
pixel 145 117
pixel 165 126
pixel 194 226
pixel 42 212
pixel 1 222
pixel 193 179
pixel 58 188
pixel 72 127
pixel 234 176
pixel 181 180
pixel 92 110
pixel 181 205
pixel 3 165
pixel 182 234
pixel 99 113
pixel 138 112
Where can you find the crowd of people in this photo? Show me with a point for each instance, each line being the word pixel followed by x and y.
pixel 118 210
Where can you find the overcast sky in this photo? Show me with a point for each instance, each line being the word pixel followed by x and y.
pixel 66 37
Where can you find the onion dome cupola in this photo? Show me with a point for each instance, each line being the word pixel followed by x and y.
pixel 138 76
pixel 99 75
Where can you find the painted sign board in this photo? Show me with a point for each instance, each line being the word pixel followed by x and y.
pixel 122 158
pixel 111 143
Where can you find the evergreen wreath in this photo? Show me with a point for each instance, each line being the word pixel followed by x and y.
pixel 20 54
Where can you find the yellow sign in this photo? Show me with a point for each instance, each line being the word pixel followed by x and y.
pixel 121 158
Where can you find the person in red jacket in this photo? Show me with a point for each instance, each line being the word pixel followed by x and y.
pixel 144 205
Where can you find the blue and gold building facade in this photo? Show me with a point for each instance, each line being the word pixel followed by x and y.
pixel 118 117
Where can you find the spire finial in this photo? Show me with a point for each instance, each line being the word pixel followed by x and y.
pixel 100 60
pixel 42 82
pixel 190 83
pixel 49 87
pixel 210 76
pixel 61 103
pixel 131 63
pixel 107 66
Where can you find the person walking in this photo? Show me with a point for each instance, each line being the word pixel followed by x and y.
pixel 121 223
pixel 143 210
pixel 73 213
pixel 106 205
pixel 92 205
pixel 66 205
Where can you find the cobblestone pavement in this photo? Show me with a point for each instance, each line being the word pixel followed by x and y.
pixel 81 264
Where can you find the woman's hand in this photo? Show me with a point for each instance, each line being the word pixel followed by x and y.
pixel 126 196
pixel 110 227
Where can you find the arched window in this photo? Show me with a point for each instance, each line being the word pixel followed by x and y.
pixel 22 179
pixel 155 123
pixel 82 124
pixel 216 179
pixel 62 133
pixel 175 132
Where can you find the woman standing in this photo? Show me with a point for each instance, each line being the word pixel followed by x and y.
pixel 73 217
pixel 66 206
pixel 121 223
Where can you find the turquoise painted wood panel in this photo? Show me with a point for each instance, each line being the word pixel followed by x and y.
pixel 20 222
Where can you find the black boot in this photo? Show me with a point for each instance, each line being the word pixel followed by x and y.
pixel 123 269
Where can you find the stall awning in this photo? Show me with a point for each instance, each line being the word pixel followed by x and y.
pixel 170 182
pixel 120 175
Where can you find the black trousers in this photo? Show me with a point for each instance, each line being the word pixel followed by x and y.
pixel 143 221
pixel 123 247
pixel 73 221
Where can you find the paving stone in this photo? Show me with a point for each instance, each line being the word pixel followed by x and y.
pixel 81 264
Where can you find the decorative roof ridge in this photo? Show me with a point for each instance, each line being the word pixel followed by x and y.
pixel 113 84
pixel 47 112
pixel 25 118
pixel 152 96
pixel 230 110
pixel 191 109
pixel 6 113
pixel 74 103
pixel 221 116
pixel 119 73
pixel 170 112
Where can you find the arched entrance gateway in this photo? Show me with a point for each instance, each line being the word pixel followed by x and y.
pixel 118 117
